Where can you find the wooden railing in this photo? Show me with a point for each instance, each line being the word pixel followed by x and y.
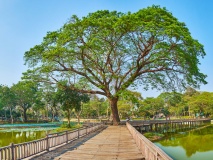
pixel 27 149
pixel 148 149
pixel 178 121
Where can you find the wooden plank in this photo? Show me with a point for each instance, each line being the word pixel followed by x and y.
pixel 115 142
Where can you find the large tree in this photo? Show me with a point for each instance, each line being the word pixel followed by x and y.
pixel 27 95
pixel 108 52
pixel 202 103
pixel 189 93
pixel 171 102
pixel 7 100
pixel 152 105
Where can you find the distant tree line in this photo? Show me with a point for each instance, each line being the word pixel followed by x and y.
pixel 27 101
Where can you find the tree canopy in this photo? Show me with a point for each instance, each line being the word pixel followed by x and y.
pixel 107 52
pixel 27 95
pixel 70 99
pixel 7 99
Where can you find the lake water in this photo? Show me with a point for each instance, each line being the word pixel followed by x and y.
pixel 191 145
pixel 26 133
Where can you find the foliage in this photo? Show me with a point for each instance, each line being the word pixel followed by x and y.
pixel 66 126
pixel 151 107
pixel 144 110
pixel 189 93
pixel 132 104
pixel 70 100
pixel 171 101
pixel 176 104
pixel 107 52
pixel 26 96
pixel 7 100
pixel 96 107
pixel 51 101
pixel 129 103
pixel 202 103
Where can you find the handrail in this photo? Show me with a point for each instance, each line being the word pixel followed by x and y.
pixel 169 121
pixel 148 149
pixel 27 149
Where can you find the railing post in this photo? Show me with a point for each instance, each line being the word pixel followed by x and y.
pixel 47 143
pixel 66 136
pixel 86 130
pixel 12 151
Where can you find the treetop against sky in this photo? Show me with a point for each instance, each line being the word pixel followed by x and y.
pixel 24 24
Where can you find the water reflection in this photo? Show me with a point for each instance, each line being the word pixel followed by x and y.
pixel 194 143
pixel 22 135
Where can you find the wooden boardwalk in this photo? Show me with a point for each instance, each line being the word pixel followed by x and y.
pixel 115 142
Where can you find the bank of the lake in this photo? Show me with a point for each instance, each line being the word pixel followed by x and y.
pixel 196 144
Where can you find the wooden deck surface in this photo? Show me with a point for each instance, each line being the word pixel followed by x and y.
pixel 115 142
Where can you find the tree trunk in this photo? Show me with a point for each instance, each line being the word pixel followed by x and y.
pixel 107 112
pixel 78 117
pixel 5 114
pixel 68 118
pixel 11 115
pixel 47 112
pixel 114 108
pixel 37 116
pixel 77 114
pixel 53 116
pixel 37 119
pixel 25 115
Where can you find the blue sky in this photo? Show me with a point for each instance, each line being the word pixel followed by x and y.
pixel 24 23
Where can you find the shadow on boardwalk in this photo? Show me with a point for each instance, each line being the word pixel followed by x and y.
pixel 67 147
